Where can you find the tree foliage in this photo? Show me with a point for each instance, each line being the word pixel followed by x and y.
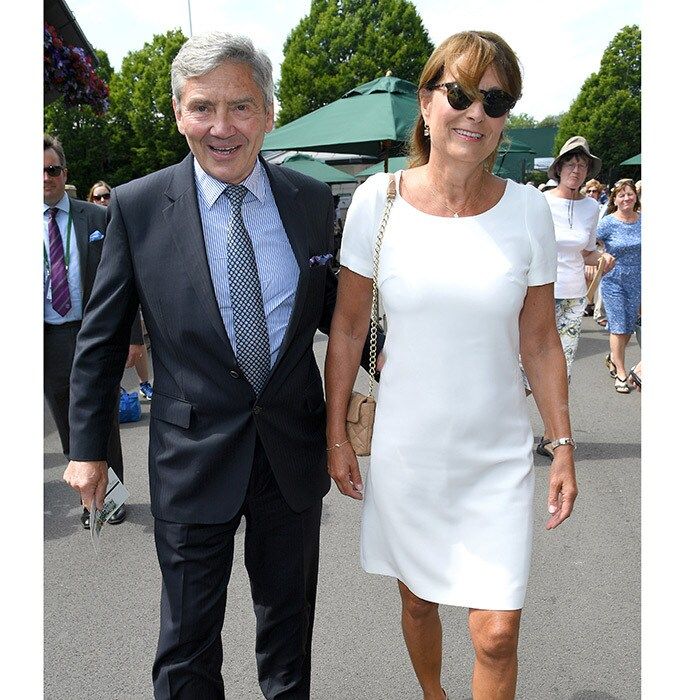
pixel 145 130
pixel 343 43
pixel 521 121
pixel 138 135
pixel 608 109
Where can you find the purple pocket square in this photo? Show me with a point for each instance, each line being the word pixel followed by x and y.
pixel 318 260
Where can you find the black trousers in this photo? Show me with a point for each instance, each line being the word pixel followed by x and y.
pixel 59 349
pixel 281 557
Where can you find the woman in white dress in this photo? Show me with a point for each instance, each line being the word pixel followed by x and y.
pixel 466 272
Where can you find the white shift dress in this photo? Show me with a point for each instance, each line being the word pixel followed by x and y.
pixel 448 497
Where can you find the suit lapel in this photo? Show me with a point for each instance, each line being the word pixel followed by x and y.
pixel 80 237
pixel 295 220
pixel 181 215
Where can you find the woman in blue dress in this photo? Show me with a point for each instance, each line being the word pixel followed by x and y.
pixel 621 232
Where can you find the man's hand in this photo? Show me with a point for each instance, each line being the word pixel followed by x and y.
pixel 89 479
pixel 135 353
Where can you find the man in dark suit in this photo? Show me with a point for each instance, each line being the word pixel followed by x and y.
pixel 229 258
pixel 73 238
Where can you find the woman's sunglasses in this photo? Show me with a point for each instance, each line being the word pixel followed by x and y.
pixel 496 102
pixel 101 197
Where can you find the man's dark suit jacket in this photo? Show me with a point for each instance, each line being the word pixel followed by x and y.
pixel 88 218
pixel 204 414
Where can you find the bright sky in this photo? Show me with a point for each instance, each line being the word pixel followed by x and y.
pixel 559 43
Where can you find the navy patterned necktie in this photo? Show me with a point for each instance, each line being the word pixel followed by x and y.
pixel 60 292
pixel 249 323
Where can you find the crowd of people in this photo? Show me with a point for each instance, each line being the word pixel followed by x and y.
pixel 229 261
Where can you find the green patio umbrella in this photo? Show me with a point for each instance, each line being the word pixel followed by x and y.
pixel 373 119
pixel 504 166
pixel 397 163
pixel 634 160
pixel 317 169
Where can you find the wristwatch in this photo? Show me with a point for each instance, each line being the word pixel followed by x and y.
pixel 562 441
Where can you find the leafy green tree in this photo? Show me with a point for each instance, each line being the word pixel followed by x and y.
pixel 521 121
pixel 85 136
pixel 608 109
pixel 551 120
pixel 144 132
pixel 343 43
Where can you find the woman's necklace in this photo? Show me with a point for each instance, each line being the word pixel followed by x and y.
pixel 571 210
pixel 455 214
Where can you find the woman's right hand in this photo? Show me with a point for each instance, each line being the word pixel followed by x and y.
pixel 345 471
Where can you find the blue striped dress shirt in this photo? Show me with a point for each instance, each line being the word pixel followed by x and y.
pixel 277 266
pixel 75 283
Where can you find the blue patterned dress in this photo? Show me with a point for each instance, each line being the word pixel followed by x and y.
pixel 622 286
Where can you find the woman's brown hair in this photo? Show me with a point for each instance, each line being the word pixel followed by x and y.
pixel 467 55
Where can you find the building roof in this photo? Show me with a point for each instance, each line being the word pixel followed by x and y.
pixel 59 16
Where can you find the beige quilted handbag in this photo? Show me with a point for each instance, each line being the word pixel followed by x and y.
pixel 361 407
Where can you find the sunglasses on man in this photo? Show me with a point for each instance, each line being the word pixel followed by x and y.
pixel 496 102
pixel 53 170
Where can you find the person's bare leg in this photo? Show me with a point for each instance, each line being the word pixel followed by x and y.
pixel 422 631
pixel 618 343
pixel 494 635
pixel 141 366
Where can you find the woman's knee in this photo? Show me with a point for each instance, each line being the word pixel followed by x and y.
pixel 496 639
pixel 415 607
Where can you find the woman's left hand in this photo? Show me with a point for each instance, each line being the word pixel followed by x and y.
pixel 562 487
pixel 608 262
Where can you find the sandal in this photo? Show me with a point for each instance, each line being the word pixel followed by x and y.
pixel 612 368
pixel 602 322
pixel 621 385
pixel 635 379
pixel 544 449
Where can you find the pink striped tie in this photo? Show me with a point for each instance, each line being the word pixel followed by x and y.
pixel 60 293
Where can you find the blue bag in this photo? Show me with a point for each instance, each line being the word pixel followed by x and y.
pixel 129 406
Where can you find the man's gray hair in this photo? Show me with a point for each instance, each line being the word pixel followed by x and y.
pixel 204 52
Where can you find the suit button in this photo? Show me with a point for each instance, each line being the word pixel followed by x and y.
pixel 234 374
pixel 257 410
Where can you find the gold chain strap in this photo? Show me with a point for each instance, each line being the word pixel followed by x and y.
pixel 390 194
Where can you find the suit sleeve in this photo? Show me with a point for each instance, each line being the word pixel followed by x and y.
pixel 103 343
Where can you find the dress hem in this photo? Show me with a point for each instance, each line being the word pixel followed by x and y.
pixel 383 570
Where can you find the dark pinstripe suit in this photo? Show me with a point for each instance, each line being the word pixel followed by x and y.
pixel 216 451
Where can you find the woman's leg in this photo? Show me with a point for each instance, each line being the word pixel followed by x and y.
pixel 141 366
pixel 422 631
pixel 568 314
pixel 618 343
pixel 495 638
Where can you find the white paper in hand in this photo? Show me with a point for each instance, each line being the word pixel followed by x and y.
pixel 116 496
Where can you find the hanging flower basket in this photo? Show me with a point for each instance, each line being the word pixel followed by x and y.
pixel 68 71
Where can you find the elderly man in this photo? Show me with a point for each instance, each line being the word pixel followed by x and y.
pixel 229 258
pixel 73 241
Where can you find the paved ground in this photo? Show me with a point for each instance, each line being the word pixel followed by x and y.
pixel 580 637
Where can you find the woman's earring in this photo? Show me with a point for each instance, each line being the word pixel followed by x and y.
pixel 426 131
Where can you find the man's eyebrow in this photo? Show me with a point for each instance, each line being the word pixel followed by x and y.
pixel 242 101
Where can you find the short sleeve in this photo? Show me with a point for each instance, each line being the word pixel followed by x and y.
pixel 592 224
pixel 362 224
pixel 603 228
pixel 538 219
